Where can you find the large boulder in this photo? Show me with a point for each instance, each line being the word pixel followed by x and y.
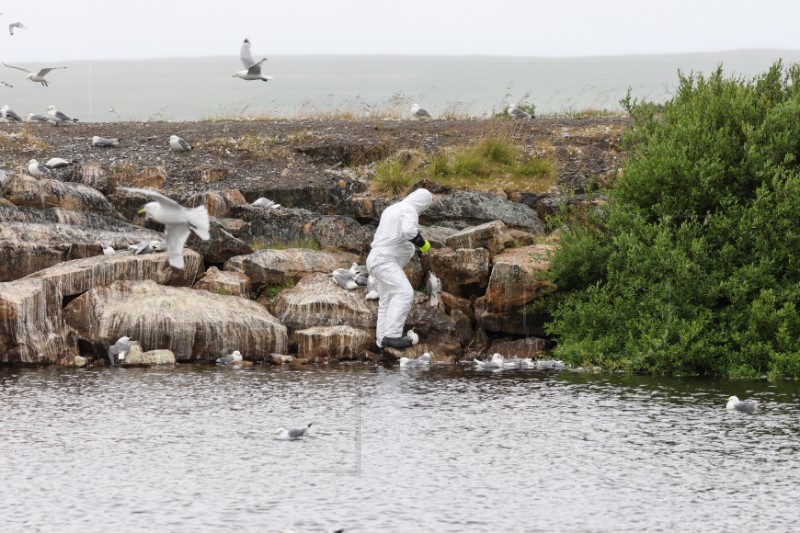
pixel 471 208
pixel 463 272
pixel 32 329
pixel 194 325
pixel 338 341
pixel 514 321
pixel 530 347
pixel 221 245
pixel 317 301
pixel 80 275
pixel 516 278
pixel 26 191
pixel 491 235
pixel 224 282
pixel 277 267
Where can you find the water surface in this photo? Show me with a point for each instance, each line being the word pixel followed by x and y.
pixel 450 449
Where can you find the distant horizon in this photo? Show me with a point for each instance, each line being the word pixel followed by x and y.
pixel 399 55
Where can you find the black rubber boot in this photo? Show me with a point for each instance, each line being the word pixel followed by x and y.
pixel 400 343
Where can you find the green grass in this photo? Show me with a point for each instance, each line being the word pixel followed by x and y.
pixel 395 175
pixel 271 291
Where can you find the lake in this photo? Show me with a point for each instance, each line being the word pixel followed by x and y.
pixel 449 449
pixel 178 89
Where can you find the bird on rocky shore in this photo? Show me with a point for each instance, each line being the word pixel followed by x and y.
pixel 118 350
pixel 518 113
pixel 519 363
pixel 233 357
pixel 107 248
pixel 290 434
pixel 423 360
pixel 745 406
pixel 57 162
pixel 104 142
pixel 252 67
pixel 372 288
pixel 38 76
pixel 178 144
pixel 419 112
pixel 7 113
pixel 34 117
pixel 495 363
pixel 265 202
pixel 146 247
pixel 178 221
pixel 57 117
pixel 36 170
pixel 411 334
pixel 345 278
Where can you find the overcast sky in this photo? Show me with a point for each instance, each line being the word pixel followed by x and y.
pixel 73 30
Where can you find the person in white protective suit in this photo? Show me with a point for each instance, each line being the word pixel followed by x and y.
pixel 393 246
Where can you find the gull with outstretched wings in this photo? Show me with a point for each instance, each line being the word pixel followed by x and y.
pixel 38 76
pixel 252 67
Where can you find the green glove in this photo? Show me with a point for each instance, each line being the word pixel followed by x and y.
pixel 425 247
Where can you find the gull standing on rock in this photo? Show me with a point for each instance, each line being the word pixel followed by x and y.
pixel 56 117
pixel 118 350
pixel 8 114
pixel 38 76
pixel 36 170
pixel 107 248
pixel 252 68
pixel 178 221
pixel 419 112
pixel 178 144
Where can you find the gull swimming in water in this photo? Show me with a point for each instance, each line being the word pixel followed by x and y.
pixel 57 117
pixel 15 25
pixel 118 350
pixel 518 113
pixel 252 68
pixel 290 434
pixel 38 76
pixel 178 144
pixel 234 357
pixel 423 360
pixel 495 363
pixel 178 221
pixel 746 406
pixel 265 202
pixel 7 113
pixel 419 112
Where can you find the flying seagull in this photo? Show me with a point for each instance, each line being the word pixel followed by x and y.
pixel 290 434
pixel 518 113
pixel 118 350
pixel 57 117
pixel 178 221
pixel 234 357
pixel 746 406
pixel 35 76
pixel 178 144
pixel 419 112
pixel 252 69
pixel 8 114
pixel 15 25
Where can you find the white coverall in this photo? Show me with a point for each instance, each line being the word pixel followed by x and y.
pixel 391 250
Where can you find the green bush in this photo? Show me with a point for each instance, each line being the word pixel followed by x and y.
pixel 693 265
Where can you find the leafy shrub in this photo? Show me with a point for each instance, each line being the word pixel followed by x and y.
pixel 693 266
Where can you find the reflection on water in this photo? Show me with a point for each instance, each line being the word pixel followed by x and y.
pixel 191 449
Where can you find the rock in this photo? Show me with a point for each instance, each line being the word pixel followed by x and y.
pixel 224 283
pixel 516 276
pixel 92 174
pixel 526 348
pixel 471 208
pixel 437 235
pixel 32 329
pixel 150 177
pixel 346 152
pixel 80 275
pixel 435 327
pixel 220 247
pixel 463 327
pixel 214 201
pixel 26 191
pixel 277 267
pixel 195 325
pixel 514 321
pixel 452 303
pixel 32 240
pixel 342 233
pixel 491 235
pixel 464 272
pixel 317 301
pixel 338 341
pixel 328 195
pixel 136 357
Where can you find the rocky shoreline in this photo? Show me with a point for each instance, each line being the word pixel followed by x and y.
pixel 260 285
